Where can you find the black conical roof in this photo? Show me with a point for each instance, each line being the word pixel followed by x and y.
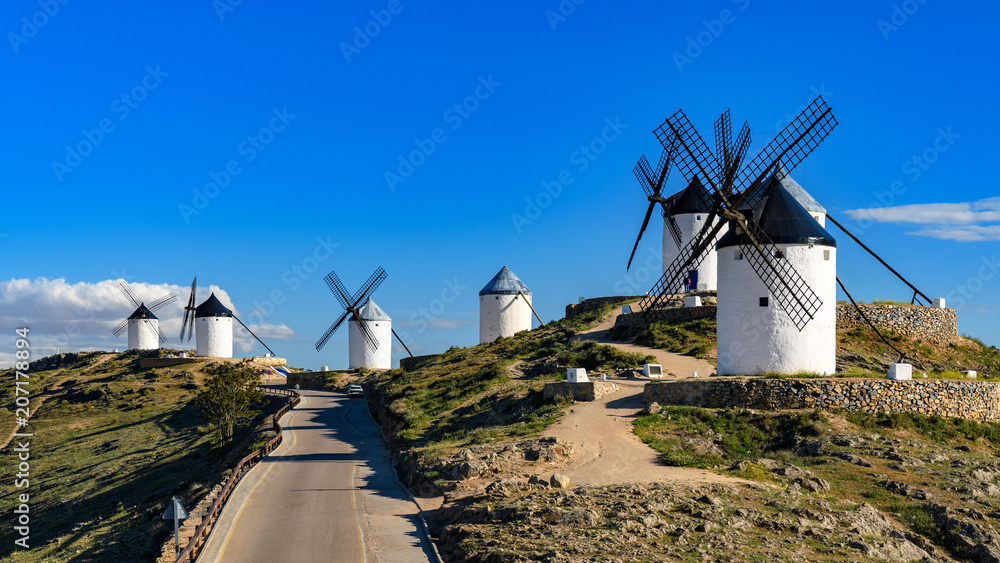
pixel 142 312
pixel 783 219
pixel 692 199
pixel 212 307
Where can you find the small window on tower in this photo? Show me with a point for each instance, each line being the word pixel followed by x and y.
pixel 826 255
pixel 738 255
pixel 498 298
pixel 779 254
pixel 697 217
pixel 763 301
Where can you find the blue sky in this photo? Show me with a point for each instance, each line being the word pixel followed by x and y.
pixel 259 147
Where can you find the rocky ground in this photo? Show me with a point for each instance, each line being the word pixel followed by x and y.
pixel 842 497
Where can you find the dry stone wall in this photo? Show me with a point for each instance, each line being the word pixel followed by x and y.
pixel 675 315
pixel 974 400
pixel 927 323
pixel 589 391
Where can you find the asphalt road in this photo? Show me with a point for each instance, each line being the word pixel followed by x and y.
pixel 326 494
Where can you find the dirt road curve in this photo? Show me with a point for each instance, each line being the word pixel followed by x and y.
pixel 608 452
pixel 326 494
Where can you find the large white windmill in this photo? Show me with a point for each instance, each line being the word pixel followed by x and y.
pixel 143 327
pixel 776 263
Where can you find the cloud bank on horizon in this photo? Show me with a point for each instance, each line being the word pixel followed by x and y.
pixel 80 316
pixel 962 222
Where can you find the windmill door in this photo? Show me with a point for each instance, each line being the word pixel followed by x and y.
pixel 692 280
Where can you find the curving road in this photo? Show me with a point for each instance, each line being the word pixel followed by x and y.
pixel 326 494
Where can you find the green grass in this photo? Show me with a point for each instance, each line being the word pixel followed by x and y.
pixel 738 434
pixel 694 338
pixel 935 428
pixel 111 446
pixel 491 391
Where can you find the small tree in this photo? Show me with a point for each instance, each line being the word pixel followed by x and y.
pixel 229 396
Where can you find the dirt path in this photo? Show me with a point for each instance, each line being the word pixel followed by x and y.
pixel 607 451
pixel 678 365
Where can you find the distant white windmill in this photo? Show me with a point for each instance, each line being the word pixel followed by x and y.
pixel 370 330
pixel 504 307
pixel 143 327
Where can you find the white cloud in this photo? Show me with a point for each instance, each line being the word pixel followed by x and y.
pixel 963 222
pixel 80 316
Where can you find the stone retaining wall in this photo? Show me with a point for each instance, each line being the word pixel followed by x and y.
pixel 588 305
pixel 974 400
pixel 675 315
pixel 590 391
pixel 913 321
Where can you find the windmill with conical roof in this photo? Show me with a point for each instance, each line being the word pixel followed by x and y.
pixel 369 327
pixel 504 307
pixel 796 292
pixel 143 326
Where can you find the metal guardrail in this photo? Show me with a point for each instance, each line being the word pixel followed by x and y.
pixel 194 545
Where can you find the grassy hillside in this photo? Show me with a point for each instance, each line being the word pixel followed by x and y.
pixel 491 391
pixel 112 444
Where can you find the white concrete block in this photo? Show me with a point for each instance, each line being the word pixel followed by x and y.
pixel 324 368
pixel 653 371
pixel 626 309
pixel 900 371
pixel 576 375
pixel 692 301
pixel 971 374
pixel 183 354
pixel 939 303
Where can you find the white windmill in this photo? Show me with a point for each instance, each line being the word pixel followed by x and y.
pixel 211 323
pixel 755 335
pixel 504 307
pixel 370 330
pixel 776 263
pixel 143 327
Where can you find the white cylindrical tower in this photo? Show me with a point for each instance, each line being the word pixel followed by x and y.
pixel 213 323
pixel 754 334
pixel 143 330
pixel 380 326
pixel 690 210
pixel 502 310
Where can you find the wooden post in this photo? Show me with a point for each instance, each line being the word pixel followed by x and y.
pixel 532 308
